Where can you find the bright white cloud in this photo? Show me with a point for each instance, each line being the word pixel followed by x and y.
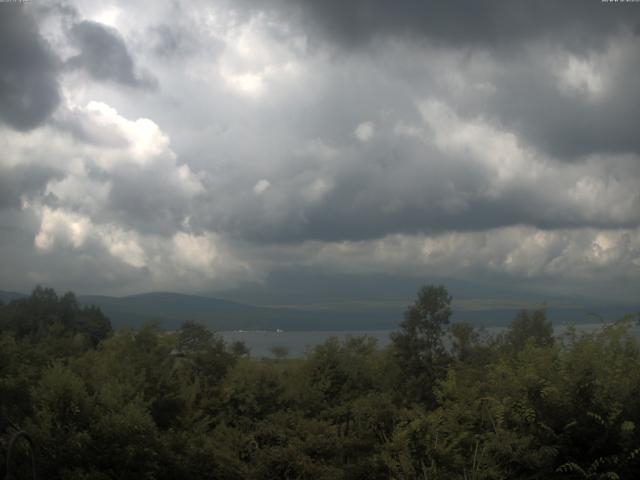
pixel 261 186
pixel 145 140
pixel 185 256
pixel 364 132
pixel 108 16
pixel 195 252
pixel 478 140
pixel 517 251
pixel 124 246
pixel 252 59
pixel 581 75
pixel 318 189
pixel 59 226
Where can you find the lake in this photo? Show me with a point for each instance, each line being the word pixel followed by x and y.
pixel 260 342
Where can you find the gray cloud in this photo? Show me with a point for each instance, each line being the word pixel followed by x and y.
pixel 411 189
pixel 28 69
pixel 461 23
pixel 171 41
pixel 571 122
pixel 415 139
pixel 158 210
pixel 520 36
pixel 23 180
pixel 104 55
pixel 23 267
pixel 81 127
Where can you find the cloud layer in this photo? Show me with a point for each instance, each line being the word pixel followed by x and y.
pixel 196 146
pixel 28 71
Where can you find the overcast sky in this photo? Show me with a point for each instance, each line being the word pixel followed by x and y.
pixel 196 146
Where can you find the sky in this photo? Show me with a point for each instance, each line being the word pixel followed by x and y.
pixel 205 146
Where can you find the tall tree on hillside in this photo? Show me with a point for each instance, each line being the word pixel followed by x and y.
pixel 419 347
pixel 194 337
pixel 531 327
pixel 44 314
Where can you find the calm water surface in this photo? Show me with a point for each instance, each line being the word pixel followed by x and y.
pixel 261 342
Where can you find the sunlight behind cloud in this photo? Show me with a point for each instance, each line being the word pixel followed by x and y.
pixel 364 132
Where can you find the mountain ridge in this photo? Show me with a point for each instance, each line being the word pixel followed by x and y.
pixel 171 309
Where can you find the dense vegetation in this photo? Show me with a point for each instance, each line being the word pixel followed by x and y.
pixel 443 401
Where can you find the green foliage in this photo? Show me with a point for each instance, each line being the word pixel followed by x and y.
pixel 529 327
pixel 252 391
pixel 43 313
pixel 148 404
pixel 419 347
pixel 194 337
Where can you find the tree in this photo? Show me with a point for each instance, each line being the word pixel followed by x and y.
pixel 418 347
pixel 194 337
pixel 464 339
pixel 91 322
pixel 204 364
pixel 239 349
pixel 44 314
pixel 529 327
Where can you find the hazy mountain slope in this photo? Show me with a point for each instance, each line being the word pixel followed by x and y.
pixel 6 297
pixel 171 309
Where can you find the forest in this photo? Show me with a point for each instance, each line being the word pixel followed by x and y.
pixel 443 401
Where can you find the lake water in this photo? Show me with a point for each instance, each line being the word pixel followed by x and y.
pixel 261 342
pixel 298 342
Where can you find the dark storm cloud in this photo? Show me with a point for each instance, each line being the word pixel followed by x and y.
pixel 157 210
pixel 397 189
pixel 527 97
pixel 104 55
pixel 569 125
pixel 259 144
pixel 402 187
pixel 28 69
pixel 491 24
pixel 402 184
pixel 23 180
